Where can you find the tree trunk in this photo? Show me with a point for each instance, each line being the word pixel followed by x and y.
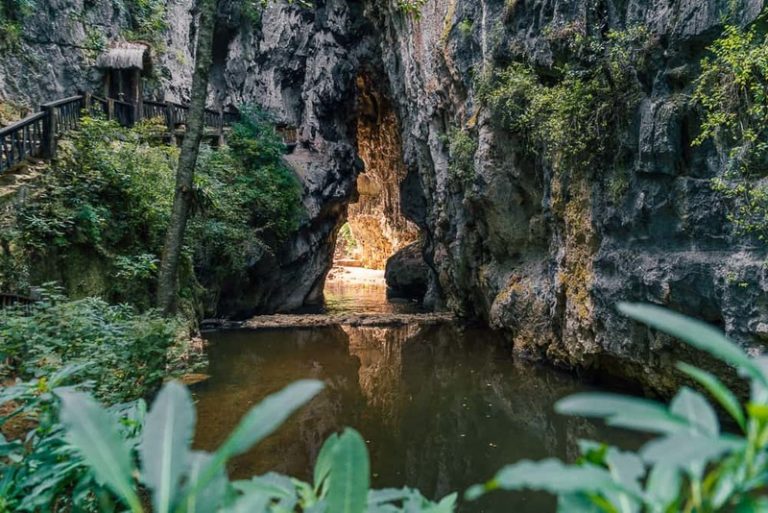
pixel 167 282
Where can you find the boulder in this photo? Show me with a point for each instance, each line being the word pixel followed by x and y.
pixel 407 274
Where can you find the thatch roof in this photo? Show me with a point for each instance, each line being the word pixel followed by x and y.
pixel 125 56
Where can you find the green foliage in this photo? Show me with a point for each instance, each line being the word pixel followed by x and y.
pixel 250 199
pixel 107 199
pixel 462 147
pixel 692 467
pixel 411 7
pixel 732 91
pixel 43 469
pixel 465 27
pixel 572 119
pixel 181 480
pixel 148 20
pixel 269 189
pixel 122 354
pixel 12 14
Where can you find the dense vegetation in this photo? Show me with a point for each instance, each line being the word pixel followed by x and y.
pixel 96 221
pixel 12 14
pixel 732 91
pixel 571 116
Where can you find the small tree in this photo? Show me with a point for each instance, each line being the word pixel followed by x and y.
pixel 167 282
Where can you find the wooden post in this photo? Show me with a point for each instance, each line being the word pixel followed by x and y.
pixel 169 122
pixel 139 94
pixel 110 109
pixel 49 132
pixel 87 102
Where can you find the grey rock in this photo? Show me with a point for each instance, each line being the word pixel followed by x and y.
pixel 407 274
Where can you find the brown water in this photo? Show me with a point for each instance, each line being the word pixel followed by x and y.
pixel 440 408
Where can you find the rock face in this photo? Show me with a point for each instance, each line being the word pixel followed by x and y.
pixel 507 249
pixel 376 218
pixel 407 274
pixel 366 82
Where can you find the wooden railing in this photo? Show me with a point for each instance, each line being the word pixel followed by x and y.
pixel 35 136
pixel 16 301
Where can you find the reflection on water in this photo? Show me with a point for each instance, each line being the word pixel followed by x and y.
pixel 359 290
pixel 440 408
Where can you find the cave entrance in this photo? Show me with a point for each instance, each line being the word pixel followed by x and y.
pixel 375 235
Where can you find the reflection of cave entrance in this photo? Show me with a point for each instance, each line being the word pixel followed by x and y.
pixel 375 227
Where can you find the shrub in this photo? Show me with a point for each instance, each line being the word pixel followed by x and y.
pixel 103 209
pixel 12 14
pixel 573 118
pixel 250 200
pixel 148 19
pixel 411 7
pixel 42 471
pixel 732 91
pixel 121 353
pixel 461 151
pixel 105 202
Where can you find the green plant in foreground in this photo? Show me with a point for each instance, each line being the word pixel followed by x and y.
pixel 182 480
pixel 693 467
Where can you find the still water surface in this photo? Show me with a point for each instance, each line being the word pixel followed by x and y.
pixel 441 408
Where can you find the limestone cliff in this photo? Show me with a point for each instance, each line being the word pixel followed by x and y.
pixel 545 264
pixel 542 260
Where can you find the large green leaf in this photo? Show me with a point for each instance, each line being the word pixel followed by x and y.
pixel 202 497
pixel 275 486
pixel 718 390
pixel 251 502
pixel 165 443
pixel 349 478
pixel 92 431
pixel 682 450
pixel 577 503
pixel 261 421
pixel 264 418
pixel 695 333
pixel 324 463
pixel 550 475
pixel 623 411
pixel 662 487
pixel 693 407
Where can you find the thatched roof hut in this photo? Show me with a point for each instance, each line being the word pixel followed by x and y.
pixel 135 56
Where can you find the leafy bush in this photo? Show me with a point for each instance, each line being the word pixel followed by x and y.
pixel 103 208
pixel 572 119
pixel 12 14
pixel 148 19
pixel 250 200
pixel 461 151
pixel 695 466
pixel 42 471
pixel 105 202
pixel 126 452
pixel 122 354
pixel 732 91
pixel 411 7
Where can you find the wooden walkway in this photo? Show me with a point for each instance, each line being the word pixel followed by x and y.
pixel 35 136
